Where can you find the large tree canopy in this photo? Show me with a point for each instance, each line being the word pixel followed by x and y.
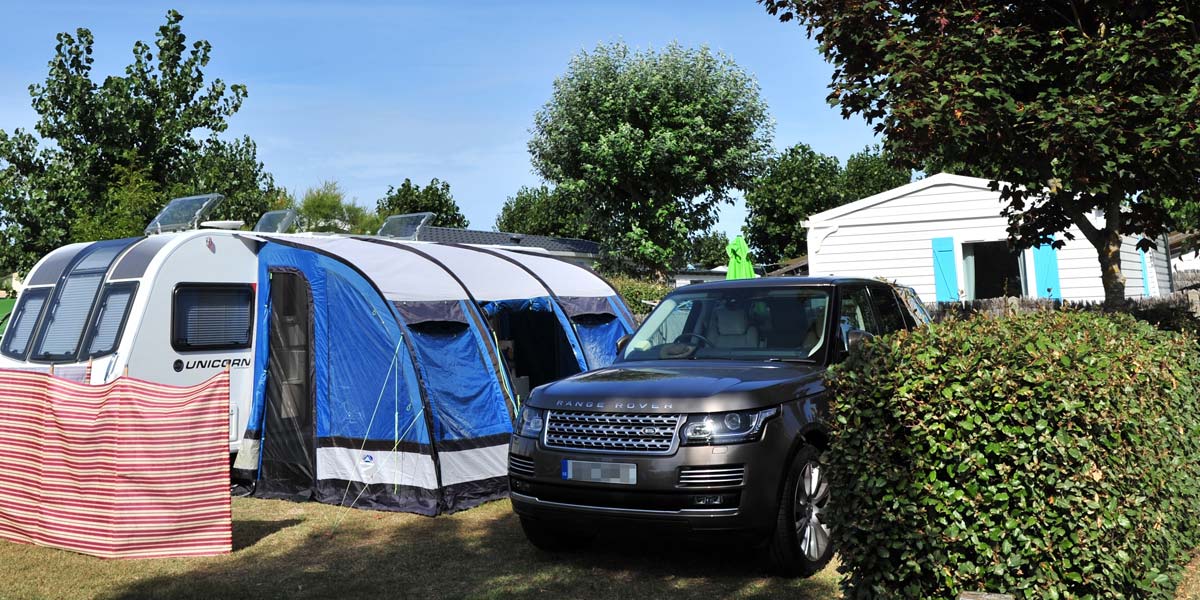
pixel 801 182
pixel 654 142
pixel 412 198
pixel 1081 107
pixel 707 250
pixel 116 151
pixel 545 211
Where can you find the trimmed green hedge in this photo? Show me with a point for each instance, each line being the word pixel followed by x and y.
pixel 634 291
pixel 1045 455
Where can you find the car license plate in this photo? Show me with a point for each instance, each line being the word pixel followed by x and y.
pixel 599 472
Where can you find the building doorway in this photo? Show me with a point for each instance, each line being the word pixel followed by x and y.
pixel 992 270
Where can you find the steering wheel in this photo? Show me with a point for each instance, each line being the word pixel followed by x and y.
pixel 704 341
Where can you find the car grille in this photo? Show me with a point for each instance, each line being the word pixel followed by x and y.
pixel 612 432
pixel 711 476
pixel 519 465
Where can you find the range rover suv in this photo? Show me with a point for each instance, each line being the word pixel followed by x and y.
pixel 711 420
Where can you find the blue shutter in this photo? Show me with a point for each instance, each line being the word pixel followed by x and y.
pixel 945 269
pixel 1045 267
pixel 1145 274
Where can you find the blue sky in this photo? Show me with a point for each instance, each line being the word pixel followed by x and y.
pixel 372 92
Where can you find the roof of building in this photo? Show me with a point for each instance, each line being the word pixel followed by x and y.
pixel 451 235
pixel 791 266
pixel 1184 242
pixel 892 194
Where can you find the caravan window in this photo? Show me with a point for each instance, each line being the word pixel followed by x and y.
pixel 212 317
pixel 110 322
pixel 68 314
pixel 20 327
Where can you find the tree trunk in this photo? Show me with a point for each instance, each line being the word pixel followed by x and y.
pixel 1110 269
pixel 1107 242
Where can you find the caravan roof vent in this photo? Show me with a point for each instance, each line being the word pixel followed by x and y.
pixel 276 221
pixel 405 227
pixel 230 225
pixel 183 214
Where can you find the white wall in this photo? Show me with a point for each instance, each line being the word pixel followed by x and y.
pixel 1187 261
pixel 893 239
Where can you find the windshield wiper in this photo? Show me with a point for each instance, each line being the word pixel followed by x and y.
pixel 791 360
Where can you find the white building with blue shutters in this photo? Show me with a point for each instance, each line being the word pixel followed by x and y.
pixel 946 238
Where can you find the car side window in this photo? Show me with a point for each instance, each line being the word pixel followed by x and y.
pixel 887 310
pixel 855 310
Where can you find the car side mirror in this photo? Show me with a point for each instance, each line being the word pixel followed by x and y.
pixel 624 341
pixel 855 338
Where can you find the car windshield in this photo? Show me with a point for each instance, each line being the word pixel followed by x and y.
pixel 736 324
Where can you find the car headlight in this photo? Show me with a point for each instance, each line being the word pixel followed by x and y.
pixel 530 422
pixel 726 428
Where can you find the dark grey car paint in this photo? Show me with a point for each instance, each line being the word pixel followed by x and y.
pixel 681 387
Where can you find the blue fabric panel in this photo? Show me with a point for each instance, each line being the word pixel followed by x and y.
pixel 599 336
pixel 1045 267
pixel 1145 274
pixel 623 313
pixel 463 392
pixel 945 270
pixel 541 304
pixel 491 356
pixel 572 336
pixel 370 394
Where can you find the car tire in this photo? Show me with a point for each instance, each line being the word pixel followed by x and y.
pixel 548 537
pixel 801 545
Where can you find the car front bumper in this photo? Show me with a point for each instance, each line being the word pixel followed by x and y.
pixel 662 495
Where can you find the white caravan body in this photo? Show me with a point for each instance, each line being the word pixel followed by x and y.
pixel 171 308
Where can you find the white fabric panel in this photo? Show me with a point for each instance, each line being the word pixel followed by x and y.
pixel 473 465
pixel 401 275
pixel 377 466
pixel 489 277
pixel 247 456
pixel 564 278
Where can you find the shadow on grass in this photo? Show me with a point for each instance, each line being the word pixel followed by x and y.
pixel 477 554
pixel 249 532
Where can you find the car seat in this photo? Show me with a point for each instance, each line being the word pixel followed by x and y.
pixel 730 328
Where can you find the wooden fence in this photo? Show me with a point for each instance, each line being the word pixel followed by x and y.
pixel 1182 302
pixel 1186 280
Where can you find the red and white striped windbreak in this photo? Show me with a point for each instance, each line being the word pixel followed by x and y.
pixel 130 469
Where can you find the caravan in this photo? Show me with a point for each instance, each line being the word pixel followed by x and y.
pixel 175 306
pixel 456 334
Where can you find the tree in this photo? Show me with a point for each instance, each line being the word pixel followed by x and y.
pixel 869 172
pixel 232 169
pixel 707 250
pixel 1074 108
pixel 544 211
pixel 142 135
pixel 797 183
pixel 324 209
pixel 654 141
pixel 434 198
pixel 801 182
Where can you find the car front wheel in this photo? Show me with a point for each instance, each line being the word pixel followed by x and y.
pixel 801 545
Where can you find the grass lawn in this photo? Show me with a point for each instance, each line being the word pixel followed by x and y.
pixel 312 550
pixel 6 306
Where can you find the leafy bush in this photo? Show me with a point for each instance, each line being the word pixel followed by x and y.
pixel 638 291
pixel 1044 455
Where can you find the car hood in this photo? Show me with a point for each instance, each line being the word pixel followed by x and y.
pixel 679 386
